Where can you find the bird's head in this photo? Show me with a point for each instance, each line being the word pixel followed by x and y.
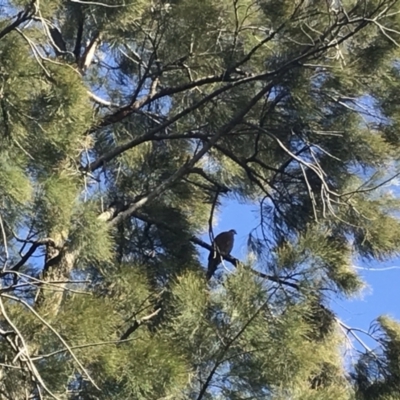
pixel 233 232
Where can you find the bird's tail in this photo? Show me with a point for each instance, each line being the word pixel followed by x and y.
pixel 214 260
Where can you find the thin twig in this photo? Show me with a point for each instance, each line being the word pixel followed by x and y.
pixel 25 351
pixel 33 311
pixel 81 346
pixel 3 233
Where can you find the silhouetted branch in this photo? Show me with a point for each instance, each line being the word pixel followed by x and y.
pixel 234 261
pixel 185 168
pixel 22 17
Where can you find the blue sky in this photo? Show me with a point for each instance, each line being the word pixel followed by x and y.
pixel 381 296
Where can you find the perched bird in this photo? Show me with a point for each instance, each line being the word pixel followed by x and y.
pixel 222 246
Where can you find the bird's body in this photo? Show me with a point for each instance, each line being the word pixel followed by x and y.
pixel 222 246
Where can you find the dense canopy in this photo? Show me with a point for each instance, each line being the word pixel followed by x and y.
pixel 125 126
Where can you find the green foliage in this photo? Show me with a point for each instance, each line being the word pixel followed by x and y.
pixel 326 260
pixel 114 154
pixel 15 188
pixel 377 375
pixel 91 235
pixel 56 202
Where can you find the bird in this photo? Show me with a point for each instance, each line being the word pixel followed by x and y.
pixel 222 246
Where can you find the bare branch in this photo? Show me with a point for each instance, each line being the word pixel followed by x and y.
pixel 185 168
pixel 22 17
pixel 82 346
pixel 235 262
pixel 86 60
pixel 136 324
pixel 97 3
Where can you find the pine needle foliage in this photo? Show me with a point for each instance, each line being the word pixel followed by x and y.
pixel 125 127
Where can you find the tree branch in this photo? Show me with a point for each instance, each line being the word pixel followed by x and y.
pixel 232 260
pixel 22 17
pixel 136 324
pixel 185 168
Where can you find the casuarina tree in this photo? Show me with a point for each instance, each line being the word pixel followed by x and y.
pixel 125 126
